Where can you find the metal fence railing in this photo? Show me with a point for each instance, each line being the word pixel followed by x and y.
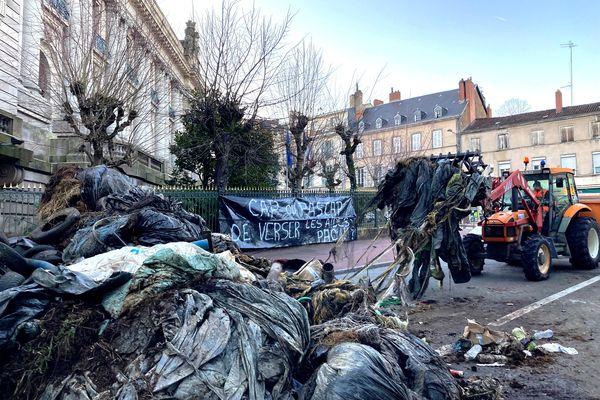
pixel 18 206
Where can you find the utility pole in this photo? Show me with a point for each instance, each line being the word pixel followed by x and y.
pixel 570 45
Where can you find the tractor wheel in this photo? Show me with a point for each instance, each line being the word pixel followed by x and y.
pixel 536 258
pixel 475 253
pixel 583 238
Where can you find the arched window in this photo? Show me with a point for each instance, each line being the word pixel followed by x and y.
pixel 44 76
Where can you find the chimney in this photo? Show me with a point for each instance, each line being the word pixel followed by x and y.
pixel 461 90
pixel 558 96
pixel 394 95
pixel 377 102
pixel 489 111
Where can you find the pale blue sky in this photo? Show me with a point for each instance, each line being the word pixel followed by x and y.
pixel 510 48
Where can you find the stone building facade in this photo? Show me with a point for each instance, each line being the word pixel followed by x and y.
pixel 423 125
pixel 560 137
pixel 34 138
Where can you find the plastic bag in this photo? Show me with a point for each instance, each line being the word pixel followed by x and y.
pixel 355 371
pixel 100 181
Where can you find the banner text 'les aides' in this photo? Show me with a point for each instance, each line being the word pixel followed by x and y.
pixel 265 223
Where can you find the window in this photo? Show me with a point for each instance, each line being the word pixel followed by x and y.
pixel 475 144
pixel 327 148
pixel 503 166
pixel 537 138
pixel 595 129
pixel 566 134
pixel 360 177
pixel 397 119
pixel 6 125
pixel 361 126
pixel 378 123
pixel 415 142
pixel 569 161
pixel 436 138
pixel 377 174
pixel 502 141
pixel 360 152
pixel 44 78
pixel 377 147
pixel 438 112
pixel 536 162
pixel 596 162
pixel 396 144
pixel 418 115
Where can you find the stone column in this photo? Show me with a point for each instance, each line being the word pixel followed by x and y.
pixel 30 45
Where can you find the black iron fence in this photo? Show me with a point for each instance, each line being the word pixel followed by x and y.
pixel 18 205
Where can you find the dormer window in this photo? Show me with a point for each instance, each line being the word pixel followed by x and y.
pixel 361 127
pixel 378 123
pixel 397 119
pixel 438 111
pixel 419 115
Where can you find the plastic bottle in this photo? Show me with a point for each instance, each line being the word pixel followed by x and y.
pixel 473 352
pixel 547 334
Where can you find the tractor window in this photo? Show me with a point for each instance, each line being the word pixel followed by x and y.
pixel 560 191
pixel 573 188
pixel 539 186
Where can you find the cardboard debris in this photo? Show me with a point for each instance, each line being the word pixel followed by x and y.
pixel 483 335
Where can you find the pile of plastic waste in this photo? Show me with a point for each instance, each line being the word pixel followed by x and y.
pixel 136 307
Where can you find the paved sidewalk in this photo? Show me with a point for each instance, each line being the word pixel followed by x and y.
pixel 349 255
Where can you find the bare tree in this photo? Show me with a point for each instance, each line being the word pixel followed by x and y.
pixel 240 57
pixel 104 77
pixel 301 87
pixel 513 106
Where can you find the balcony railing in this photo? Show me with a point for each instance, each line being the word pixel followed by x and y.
pixel 61 8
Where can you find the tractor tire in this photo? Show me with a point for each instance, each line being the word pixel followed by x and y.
pixel 583 238
pixel 474 248
pixel 536 258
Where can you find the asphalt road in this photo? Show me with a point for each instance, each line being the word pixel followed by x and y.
pixel 501 290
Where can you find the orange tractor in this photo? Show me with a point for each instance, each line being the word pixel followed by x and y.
pixel 532 217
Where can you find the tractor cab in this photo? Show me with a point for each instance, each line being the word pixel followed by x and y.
pixel 555 189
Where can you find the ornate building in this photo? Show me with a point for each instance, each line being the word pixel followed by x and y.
pixel 43 41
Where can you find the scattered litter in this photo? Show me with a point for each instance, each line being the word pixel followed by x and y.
pixel 557 348
pixel 496 364
pixel 480 334
pixel 473 352
pixel 457 374
pixel 491 359
pixel 482 388
pixel 445 350
pixel 547 334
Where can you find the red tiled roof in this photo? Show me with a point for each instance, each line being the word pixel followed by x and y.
pixel 482 124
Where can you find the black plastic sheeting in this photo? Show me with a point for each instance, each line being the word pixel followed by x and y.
pixel 422 193
pixel 371 362
pixel 131 215
pixel 100 181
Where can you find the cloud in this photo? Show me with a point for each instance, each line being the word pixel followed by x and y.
pixel 502 19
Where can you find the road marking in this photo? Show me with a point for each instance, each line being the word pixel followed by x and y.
pixel 533 306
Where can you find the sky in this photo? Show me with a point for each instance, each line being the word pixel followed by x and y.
pixel 509 48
